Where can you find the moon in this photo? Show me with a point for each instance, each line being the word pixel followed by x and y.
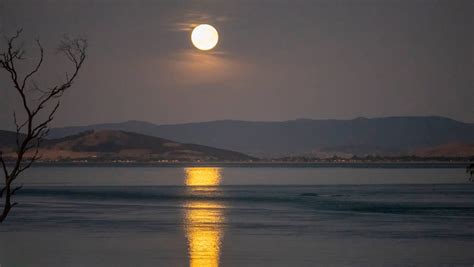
pixel 204 37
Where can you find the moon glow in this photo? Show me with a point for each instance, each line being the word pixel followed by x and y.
pixel 204 37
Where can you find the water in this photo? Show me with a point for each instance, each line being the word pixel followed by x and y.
pixel 237 216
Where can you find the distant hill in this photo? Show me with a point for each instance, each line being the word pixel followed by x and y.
pixel 447 150
pixel 361 136
pixel 121 145
pixel 7 139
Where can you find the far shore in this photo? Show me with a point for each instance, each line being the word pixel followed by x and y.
pixel 262 164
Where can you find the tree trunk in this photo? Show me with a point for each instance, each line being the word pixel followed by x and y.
pixel 7 205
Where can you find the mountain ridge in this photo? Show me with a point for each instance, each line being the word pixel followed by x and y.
pixel 385 135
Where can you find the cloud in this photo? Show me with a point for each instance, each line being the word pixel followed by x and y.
pixel 191 19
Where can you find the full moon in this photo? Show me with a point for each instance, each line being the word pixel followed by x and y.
pixel 204 37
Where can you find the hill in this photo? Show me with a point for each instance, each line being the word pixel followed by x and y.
pixel 121 145
pixel 447 150
pixel 361 136
pixel 7 140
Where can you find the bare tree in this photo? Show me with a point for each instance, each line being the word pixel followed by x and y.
pixel 38 105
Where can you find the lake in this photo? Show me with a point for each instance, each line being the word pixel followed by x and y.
pixel 392 215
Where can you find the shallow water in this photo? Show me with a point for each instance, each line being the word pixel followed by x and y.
pixel 236 216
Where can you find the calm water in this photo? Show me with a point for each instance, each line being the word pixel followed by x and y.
pixel 236 216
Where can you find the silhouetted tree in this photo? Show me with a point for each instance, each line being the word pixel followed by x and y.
pixel 38 106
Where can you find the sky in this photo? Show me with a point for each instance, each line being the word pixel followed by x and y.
pixel 275 60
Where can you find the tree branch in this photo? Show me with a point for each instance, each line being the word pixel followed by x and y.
pixel 37 67
pixel 4 166
pixel 16 189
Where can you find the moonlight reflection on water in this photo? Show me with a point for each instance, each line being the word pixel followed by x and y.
pixel 203 219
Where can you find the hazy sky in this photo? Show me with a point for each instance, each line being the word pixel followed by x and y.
pixel 276 60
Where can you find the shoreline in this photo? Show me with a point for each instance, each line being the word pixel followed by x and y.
pixel 264 164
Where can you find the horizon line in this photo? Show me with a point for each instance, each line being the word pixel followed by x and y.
pixel 262 121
